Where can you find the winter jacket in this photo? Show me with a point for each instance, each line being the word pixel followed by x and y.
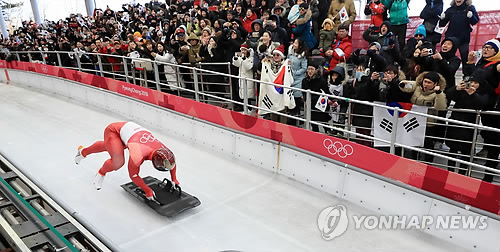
pixel 278 34
pixel 298 65
pixel 245 66
pixel 325 39
pixel 316 83
pixel 254 36
pixel 169 69
pixel 447 67
pixel 398 11
pixel 390 91
pixel 436 101
pixel 363 90
pixel 477 101
pixel 377 11
pixel 430 15
pixel 303 31
pixel 247 22
pixel 389 42
pixel 460 24
pixel 345 45
pixel 335 8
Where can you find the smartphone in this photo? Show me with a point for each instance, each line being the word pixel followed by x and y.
pixel 381 74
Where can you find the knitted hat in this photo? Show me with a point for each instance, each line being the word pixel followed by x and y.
pixel 433 76
pixel 280 50
pixel 421 30
pixel 244 45
pixel 494 43
pixel 327 20
pixel 376 44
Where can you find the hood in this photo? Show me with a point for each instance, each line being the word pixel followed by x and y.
pixel 275 17
pixel 252 17
pixel 388 24
pixel 327 20
pixel 283 10
pixel 304 18
pixel 237 20
pixel 453 50
pixel 441 82
pixel 341 71
pixel 257 21
pixel 238 33
pixel 192 36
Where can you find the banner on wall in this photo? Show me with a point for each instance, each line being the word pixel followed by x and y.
pixel 410 128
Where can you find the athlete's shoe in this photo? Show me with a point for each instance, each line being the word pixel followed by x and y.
pixel 79 156
pixel 98 181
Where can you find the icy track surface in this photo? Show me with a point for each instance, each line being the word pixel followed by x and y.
pixel 243 208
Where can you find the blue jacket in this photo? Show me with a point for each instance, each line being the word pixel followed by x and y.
pixel 460 24
pixel 298 65
pixel 303 31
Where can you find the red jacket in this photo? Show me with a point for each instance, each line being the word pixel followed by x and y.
pixel 377 13
pixel 247 22
pixel 345 45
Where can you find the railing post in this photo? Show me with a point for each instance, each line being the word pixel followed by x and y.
pixel 100 64
pixel 125 69
pixel 43 59
pixel 230 82
pixel 18 57
pixel 29 57
pixel 473 147
pixel 394 129
pixel 157 76
pixel 245 95
pixel 58 59
pixel 78 62
pixel 308 110
pixel 196 88
pixel 348 115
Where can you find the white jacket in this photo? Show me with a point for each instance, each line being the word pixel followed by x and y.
pixel 170 71
pixel 245 66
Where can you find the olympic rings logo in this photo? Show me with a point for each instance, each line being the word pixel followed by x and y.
pixel 337 148
pixel 147 138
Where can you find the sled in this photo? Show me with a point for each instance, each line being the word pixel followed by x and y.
pixel 170 199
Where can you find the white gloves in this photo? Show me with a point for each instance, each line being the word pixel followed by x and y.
pixel 442 16
pixel 469 14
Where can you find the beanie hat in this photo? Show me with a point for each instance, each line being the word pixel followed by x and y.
pixel 421 30
pixel 179 30
pixel 304 5
pixel 280 50
pixel 377 45
pixel 494 43
pixel 137 34
pixel 433 76
pixel 244 45
pixel 478 76
pixel 327 20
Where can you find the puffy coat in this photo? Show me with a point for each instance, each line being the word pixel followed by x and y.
pixel 377 11
pixel 345 45
pixel 247 22
pixel 335 8
pixel 460 24
pixel 429 98
pixel 245 66
pixel 298 65
pixel 398 10
pixel 303 31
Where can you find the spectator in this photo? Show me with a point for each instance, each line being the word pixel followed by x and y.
pixel 427 91
pixel 490 64
pixel 419 41
pixel 326 35
pixel 315 82
pixel 248 20
pixel 278 33
pixel 214 53
pixel 266 41
pixel 389 85
pixel 337 108
pixel 341 48
pixel 297 56
pixel 303 31
pixel 169 70
pixel 474 94
pixel 255 34
pixel 388 42
pixel 398 15
pixel 244 62
pixel 334 12
pixel 369 59
pixel 378 13
pixel 461 16
pixel 313 6
pixel 430 14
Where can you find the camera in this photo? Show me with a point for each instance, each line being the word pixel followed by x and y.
pixel 381 74
pixel 467 82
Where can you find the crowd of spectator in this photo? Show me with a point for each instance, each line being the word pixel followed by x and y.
pixel 253 35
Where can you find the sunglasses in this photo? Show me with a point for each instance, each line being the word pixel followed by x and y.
pixel 302 9
pixel 419 35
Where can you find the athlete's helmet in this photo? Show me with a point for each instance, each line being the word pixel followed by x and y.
pixel 163 159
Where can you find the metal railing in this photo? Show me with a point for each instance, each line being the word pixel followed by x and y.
pixel 200 83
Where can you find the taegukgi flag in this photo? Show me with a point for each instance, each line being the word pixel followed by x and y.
pixel 410 127
pixel 343 15
pixel 276 98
